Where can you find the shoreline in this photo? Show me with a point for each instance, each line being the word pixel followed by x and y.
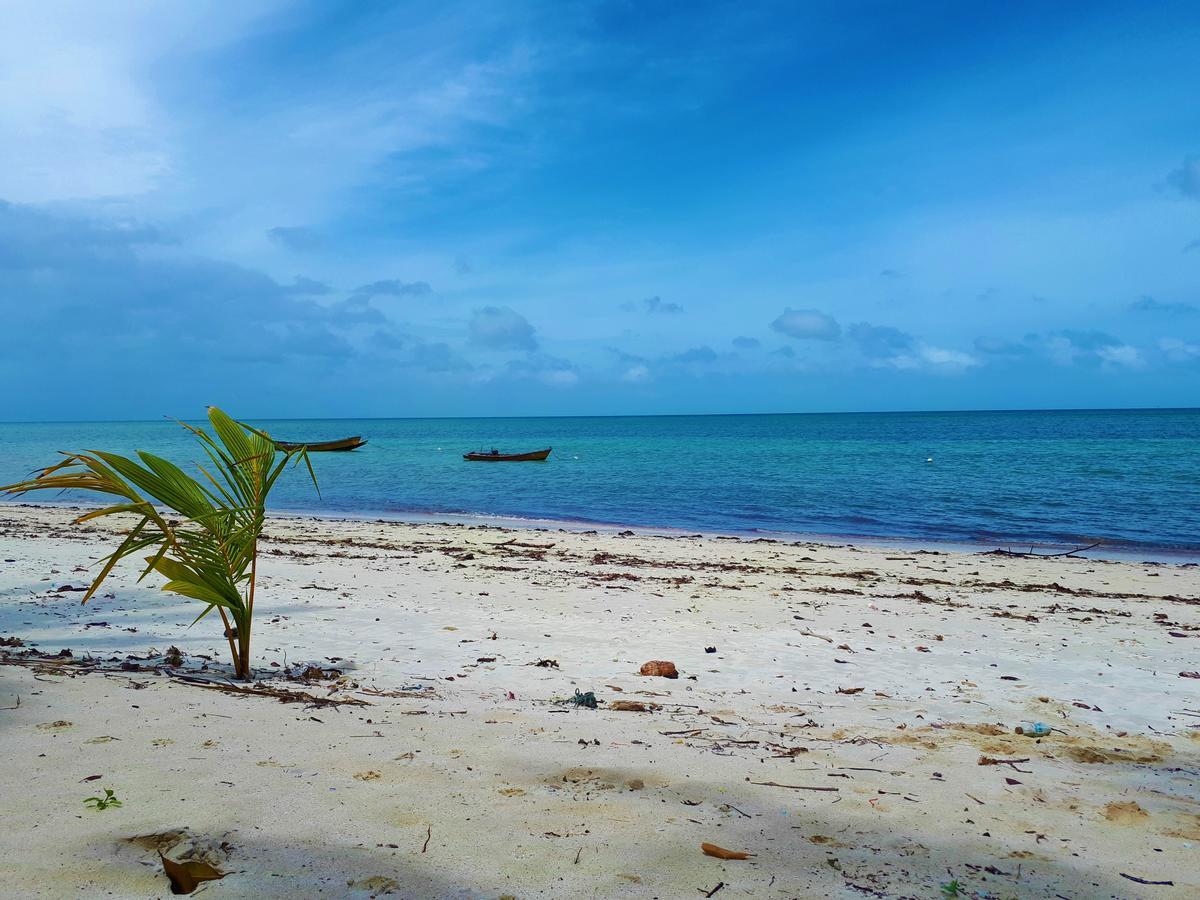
pixel 1116 551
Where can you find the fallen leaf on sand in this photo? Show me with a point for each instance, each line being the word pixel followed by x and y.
pixel 1189 674
pixel 367 776
pixel 54 726
pixel 186 876
pixel 849 690
pixel 722 853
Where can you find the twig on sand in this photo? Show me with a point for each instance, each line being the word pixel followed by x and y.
pixel 515 543
pixel 1146 881
pixel 995 761
pixel 793 787
pixel 577 855
pixel 428 835
pixel 720 884
pixel 808 633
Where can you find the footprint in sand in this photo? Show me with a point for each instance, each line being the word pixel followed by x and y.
pixel 826 840
pixel 512 792
pixel 60 725
pixel 1128 813
pixel 161 742
pixel 378 884
pixel 102 739
pixel 600 779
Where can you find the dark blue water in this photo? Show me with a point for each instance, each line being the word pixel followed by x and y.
pixel 1129 477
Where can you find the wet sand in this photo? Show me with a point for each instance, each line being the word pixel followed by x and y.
pixel 852 728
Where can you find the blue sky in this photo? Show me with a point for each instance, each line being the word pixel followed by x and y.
pixel 322 209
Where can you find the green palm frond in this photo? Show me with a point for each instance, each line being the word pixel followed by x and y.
pixel 212 556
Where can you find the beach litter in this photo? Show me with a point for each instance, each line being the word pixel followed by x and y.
pixel 586 700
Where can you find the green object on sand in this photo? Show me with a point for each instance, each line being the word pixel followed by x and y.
pixel 588 699
pixel 102 803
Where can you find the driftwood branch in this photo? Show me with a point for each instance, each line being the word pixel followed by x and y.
pixel 282 694
pixel 999 552
pixel 795 787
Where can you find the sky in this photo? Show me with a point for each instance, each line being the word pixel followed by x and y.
pixel 321 209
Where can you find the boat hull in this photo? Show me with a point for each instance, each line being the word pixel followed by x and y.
pixel 534 456
pixel 343 444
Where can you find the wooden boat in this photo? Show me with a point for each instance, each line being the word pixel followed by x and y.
pixel 497 456
pixel 350 443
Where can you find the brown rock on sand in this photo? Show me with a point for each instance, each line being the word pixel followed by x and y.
pixel 660 667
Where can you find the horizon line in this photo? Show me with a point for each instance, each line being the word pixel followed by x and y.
pixel 864 412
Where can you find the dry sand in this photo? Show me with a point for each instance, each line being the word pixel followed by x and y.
pixel 837 731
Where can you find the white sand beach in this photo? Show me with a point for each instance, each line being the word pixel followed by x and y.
pixel 853 727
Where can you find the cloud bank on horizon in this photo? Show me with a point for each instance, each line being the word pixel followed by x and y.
pixel 323 209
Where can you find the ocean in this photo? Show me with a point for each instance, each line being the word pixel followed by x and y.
pixel 1130 478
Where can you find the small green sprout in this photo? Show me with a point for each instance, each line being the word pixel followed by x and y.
pixel 102 803
pixel 952 889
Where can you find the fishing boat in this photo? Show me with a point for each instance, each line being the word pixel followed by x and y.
pixel 350 443
pixel 496 456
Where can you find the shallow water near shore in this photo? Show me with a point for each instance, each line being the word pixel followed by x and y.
pixel 1130 478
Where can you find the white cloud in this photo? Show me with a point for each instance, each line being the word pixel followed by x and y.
pixel 807 324
pixel 79 109
pixel 501 328
pixel 560 378
pixel 1177 349
pixel 1121 355
pixel 950 359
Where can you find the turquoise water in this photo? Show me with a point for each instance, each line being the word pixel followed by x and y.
pixel 1129 477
